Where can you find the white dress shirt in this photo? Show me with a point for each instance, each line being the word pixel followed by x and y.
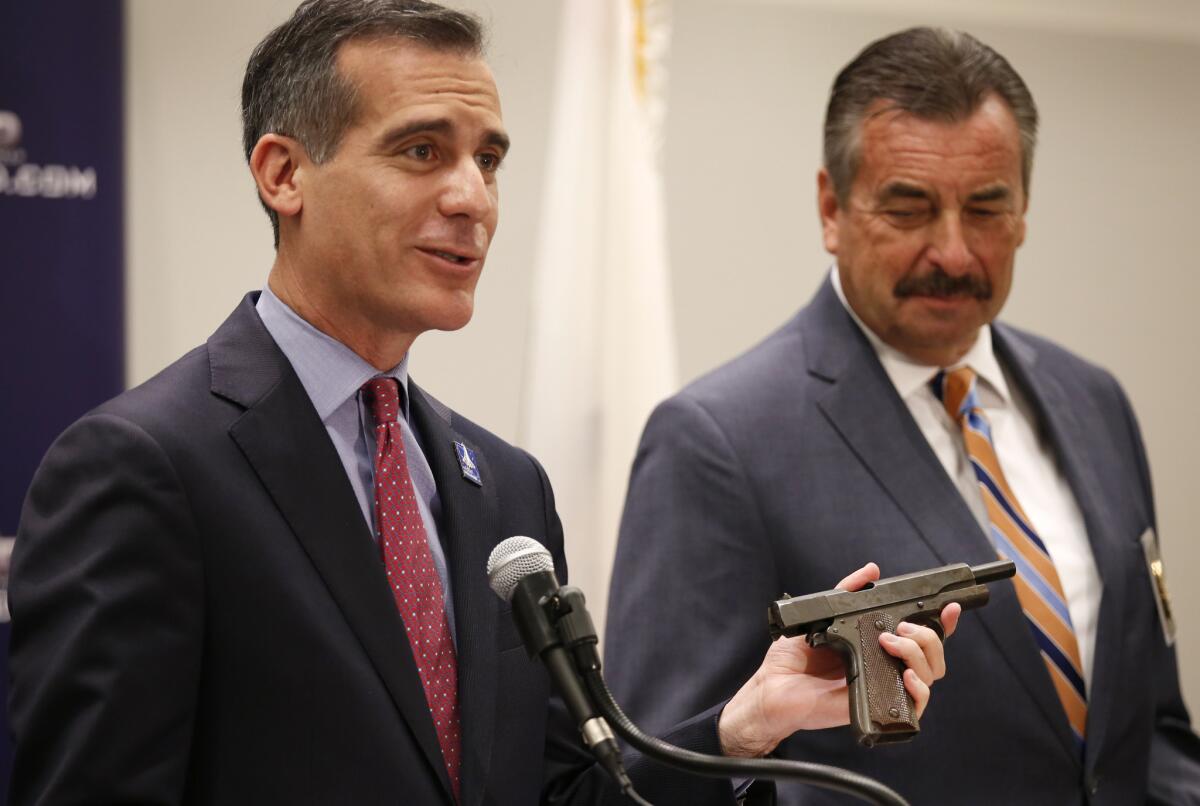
pixel 1027 461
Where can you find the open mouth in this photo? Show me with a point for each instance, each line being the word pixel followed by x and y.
pixel 450 257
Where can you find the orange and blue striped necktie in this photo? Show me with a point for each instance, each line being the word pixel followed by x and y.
pixel 1038 587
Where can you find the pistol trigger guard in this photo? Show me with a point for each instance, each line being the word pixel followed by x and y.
pixel 842 645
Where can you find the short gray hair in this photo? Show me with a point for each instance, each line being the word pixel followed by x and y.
pixel 292 86
pixel 930 73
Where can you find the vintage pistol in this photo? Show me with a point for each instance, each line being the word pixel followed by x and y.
pixel 881 710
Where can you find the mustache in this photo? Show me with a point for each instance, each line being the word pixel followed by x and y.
pixel 939 284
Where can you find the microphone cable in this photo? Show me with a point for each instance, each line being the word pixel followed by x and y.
pixel 821 775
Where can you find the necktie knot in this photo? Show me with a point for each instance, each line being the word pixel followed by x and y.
pixel 382 396
pixel 956 390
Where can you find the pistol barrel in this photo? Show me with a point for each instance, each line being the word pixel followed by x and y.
pixel 991 572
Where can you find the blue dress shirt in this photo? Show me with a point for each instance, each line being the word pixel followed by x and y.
pixel 332 374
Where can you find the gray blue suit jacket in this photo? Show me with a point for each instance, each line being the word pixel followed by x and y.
pixel 798 462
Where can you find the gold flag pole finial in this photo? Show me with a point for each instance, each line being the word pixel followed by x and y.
pixel 640 61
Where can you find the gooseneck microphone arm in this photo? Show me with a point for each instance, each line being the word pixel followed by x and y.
pixel 556 620
pixel 523 573
pixel 820 775
pixel 532 597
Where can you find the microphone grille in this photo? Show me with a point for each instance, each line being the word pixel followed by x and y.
pixel 513 560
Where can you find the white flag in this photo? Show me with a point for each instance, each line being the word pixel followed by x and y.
pixel 602 340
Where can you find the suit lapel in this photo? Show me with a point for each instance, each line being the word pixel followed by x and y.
pixel 863 406
pixel 1070 424
pixel 285 442
pixel 469 529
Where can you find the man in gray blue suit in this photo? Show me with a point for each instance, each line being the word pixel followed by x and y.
pixel 893 418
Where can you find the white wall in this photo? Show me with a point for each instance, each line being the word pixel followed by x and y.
pixel 1108 269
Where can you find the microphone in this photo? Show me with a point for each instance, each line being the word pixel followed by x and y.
pixel 553 619
pixel 521 571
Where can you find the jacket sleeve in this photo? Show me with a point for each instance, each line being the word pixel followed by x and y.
pixel 105 591
pixel 692 535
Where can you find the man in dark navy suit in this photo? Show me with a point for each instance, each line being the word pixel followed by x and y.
pixel 259 577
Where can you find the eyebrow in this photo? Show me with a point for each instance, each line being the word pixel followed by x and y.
pixel 494 137
pixel 995 193
pixel 903 190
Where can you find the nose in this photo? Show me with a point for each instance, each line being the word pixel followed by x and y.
pixel 949 248
pixel 467 192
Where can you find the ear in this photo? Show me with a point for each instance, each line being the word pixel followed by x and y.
pixel 828 207
pixel 1021 220
pixel 276 164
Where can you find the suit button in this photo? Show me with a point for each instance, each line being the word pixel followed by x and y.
pixel 1092 783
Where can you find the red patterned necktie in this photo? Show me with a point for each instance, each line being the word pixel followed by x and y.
pixel 415 584
pixel 1038 586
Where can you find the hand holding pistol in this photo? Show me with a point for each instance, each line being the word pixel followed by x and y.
pixel 881 710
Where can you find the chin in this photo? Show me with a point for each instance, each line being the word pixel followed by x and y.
pixel 453 317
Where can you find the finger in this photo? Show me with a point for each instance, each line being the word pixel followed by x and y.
pixel 950 614
pixel 931 647
pixel 868 573
pixel 793 656
pixel 918 690
pixel 909 651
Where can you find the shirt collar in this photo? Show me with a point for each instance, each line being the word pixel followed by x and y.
pixel 330 371
pixel 910 377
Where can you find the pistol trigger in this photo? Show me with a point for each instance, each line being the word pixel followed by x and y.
pixel 932 620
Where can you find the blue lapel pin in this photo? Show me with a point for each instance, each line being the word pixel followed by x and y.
pixel 466 461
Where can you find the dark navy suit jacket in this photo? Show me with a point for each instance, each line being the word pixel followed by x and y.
pixel 798 462
pixel 200 614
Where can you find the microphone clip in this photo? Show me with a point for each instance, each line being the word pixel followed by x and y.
pixel 575 628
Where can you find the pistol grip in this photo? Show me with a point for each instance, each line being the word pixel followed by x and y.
pixel 881 709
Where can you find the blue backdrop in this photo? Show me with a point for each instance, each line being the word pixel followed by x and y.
pixel 61 244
